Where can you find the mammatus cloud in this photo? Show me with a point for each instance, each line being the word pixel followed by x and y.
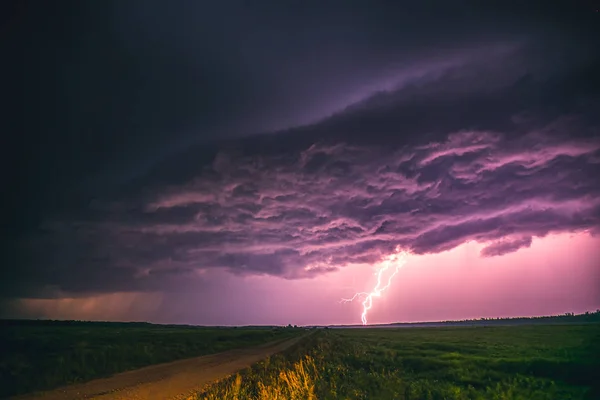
pixel 300 213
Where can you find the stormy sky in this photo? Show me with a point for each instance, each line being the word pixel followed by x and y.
pixel 244 162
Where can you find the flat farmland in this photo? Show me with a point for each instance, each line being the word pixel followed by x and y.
pixel 544 362
pixel 489 363
pixel 41 355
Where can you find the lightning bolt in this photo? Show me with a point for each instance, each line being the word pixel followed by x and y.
pixel 396 260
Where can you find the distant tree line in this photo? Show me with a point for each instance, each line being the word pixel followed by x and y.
pixel 566 317
pixel 107 324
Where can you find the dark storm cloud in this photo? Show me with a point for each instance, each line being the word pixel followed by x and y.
pixel 103 90
pixel 422 126
pixel 323 207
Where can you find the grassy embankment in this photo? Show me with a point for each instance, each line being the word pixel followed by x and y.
pixel 38 356
pixel 488 363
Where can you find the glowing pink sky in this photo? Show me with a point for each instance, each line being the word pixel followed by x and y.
pixel 557 274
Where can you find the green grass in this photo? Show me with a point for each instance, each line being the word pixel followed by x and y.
pixel 551 362
pixel 43 356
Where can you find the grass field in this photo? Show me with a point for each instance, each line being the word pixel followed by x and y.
pixel 551 362
pixel 37 356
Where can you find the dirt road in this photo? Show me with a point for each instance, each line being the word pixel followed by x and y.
pixel 174 380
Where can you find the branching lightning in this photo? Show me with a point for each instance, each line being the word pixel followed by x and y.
pixel 396 260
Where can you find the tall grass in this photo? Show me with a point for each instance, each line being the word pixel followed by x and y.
pixel 292 375
pixel 294 383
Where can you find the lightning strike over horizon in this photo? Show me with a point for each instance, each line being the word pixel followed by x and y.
pixel 397 260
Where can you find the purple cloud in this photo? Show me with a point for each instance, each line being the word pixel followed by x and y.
pixel 506 246
pixel 307 212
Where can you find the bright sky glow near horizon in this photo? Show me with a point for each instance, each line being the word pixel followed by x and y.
pixel 557 274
